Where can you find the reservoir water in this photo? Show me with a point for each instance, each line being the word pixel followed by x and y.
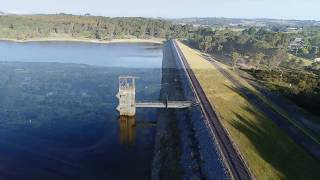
pixel 58 117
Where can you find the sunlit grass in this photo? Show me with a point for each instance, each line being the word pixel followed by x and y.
pixel 306 62
pixel 268 151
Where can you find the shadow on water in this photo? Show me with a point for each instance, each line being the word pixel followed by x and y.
pixel 272 144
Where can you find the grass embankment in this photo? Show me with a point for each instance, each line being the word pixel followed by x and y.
pixel 268 151
pixel 306 62
pixel 308 132
pixel 305 101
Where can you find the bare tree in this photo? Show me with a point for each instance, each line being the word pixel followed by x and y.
pixel 235 58
pixel 279 56
pixel 257 60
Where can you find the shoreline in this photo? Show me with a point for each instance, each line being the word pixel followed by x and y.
pixel 128 40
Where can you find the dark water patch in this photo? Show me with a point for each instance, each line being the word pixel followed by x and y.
pixel 59 121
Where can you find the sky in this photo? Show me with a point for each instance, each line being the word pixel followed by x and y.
pixel 279 9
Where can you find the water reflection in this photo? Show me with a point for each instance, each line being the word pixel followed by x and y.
pixel 127 130
pixel 52 113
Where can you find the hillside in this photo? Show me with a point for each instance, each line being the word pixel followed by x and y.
pixel 93 27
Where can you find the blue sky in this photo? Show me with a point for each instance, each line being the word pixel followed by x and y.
pixel 280 9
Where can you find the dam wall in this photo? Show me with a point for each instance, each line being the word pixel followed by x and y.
pixel 199 156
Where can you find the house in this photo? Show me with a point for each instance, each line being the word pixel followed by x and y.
pixel 296 44
pixel 292 28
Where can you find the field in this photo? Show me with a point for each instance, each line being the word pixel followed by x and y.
pixel 268 151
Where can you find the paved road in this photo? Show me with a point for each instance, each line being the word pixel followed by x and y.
pixel 299 136
pixel 233 160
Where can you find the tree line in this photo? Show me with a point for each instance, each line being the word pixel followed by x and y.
pixel 264 54
pixel 95 27
pixel 255 47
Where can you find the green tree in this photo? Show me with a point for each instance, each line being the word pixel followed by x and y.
pixel 89 27
pixel 303 51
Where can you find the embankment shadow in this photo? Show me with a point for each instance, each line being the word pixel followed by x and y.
pixel 245 93
pixel 273 145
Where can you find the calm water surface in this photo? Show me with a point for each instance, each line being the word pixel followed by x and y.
pixel 57 110
pixel 134 55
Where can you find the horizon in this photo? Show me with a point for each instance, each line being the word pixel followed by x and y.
pixel 242 9
pixel 170 18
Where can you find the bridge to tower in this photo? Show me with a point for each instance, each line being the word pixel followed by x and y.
pixel 127 101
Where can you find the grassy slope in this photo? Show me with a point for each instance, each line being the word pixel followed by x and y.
pixel 306 62
pixel 277 108
pixel 269 152
pixel 272 105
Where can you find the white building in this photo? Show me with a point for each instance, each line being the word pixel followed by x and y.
pixel 317 60
pixel 297 43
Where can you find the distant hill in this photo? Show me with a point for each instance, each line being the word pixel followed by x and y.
pixel 93 27
pixel 2 13
pixel 215 21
